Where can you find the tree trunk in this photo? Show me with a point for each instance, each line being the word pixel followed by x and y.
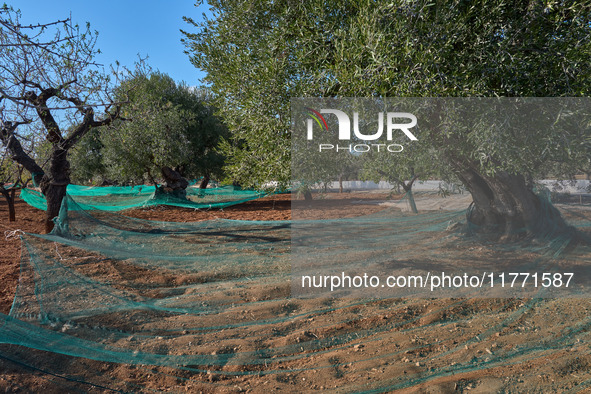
pixel 11 211
pixel 411 200
pixel 407 186
pixel 175 184
pixel 18 154
pixel 505 205
pixel 341 183
pixel 54 185
pixel 204 182
pixel 54 194
pixel 9 196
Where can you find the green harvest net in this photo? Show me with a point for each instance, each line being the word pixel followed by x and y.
pixel 208 305
pixel 118 198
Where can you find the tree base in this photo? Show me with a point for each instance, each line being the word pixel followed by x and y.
pixel 9 196
pixel 506 208
pixel 175 184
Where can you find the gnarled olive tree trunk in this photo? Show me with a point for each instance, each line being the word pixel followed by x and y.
pixel 505 205
pixel 174 183
pixel 53 184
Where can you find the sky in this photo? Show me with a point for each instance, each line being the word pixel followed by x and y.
pixel 127 28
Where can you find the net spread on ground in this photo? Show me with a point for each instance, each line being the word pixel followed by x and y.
pixel 184 299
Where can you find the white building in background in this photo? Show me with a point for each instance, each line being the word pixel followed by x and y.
pixel 571 187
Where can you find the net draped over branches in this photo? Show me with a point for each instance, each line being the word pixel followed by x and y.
pixel 118 198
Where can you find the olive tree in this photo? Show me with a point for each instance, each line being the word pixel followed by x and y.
pixel 167 127
pixel 260 53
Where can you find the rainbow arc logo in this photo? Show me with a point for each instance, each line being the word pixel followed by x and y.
pixel 317 117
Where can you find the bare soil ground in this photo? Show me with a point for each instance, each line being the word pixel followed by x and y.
pixel 404 345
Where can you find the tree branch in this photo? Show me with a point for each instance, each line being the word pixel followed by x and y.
pixel 16 150
pixel 54 134
pixel 87 123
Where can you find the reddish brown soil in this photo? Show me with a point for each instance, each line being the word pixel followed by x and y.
pixel 28 219
pixel 276 207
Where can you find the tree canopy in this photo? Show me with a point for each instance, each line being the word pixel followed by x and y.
pixel 259 54
pixel 164 124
